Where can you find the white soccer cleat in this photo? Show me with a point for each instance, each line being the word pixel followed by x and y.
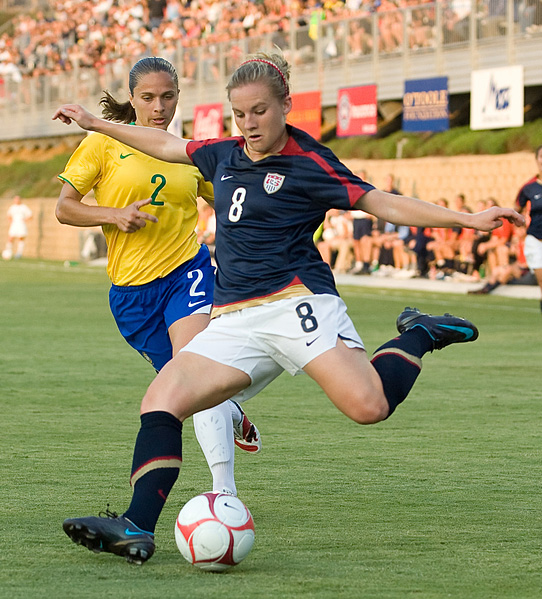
pixel 245 434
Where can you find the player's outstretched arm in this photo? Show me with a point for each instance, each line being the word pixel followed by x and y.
pixel 70 210
pixel 154 142
pixel 402 210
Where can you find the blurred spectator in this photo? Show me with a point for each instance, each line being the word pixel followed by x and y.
pixel 393 244
pixel 460 202
pixel 464 255
pixel 422 21
pixel 424 256
pixel 493 17
pixel 18 215
pixel 529 199
pixel 360 38
pixel 206 227
pixel 480 237
pixel 362 238
pixel 516 272
pixel 390 25
pixel 455 17
pixel 336 243
pixel 444 246
pixel 497 247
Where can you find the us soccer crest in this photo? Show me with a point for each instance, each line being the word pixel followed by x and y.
pixel 273 182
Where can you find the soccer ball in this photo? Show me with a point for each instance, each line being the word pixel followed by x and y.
pixel 214 531
pixel 6 254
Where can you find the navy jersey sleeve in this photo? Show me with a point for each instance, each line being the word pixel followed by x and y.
pixel 521 200
pixel 330 183
pixel 207 154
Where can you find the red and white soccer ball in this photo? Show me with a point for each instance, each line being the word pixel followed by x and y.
pixel 214 531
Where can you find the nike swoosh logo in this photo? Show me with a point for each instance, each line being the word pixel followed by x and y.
pixel 123 156
pixel 132 533
pixel 233 507
pixel 467 332
pixel 307 343
pixel 224 177
pixel 192 304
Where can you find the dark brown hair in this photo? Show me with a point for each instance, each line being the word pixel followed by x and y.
pixel 123 112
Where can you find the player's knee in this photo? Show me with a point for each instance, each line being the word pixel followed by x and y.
pixel 165 398
pixel 369 410
pixel 371 415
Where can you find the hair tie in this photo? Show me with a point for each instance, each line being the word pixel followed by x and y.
pixel 271 64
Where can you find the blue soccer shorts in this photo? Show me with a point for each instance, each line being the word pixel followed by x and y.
pixel 144 313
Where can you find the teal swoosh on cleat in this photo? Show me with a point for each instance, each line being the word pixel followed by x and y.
pixel 132 533
pixel 469 333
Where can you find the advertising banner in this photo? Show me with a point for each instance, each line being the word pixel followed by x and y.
pixel 207 121
pixel 357 111
pixel 306 113
pixel 496 99
pixel 425 105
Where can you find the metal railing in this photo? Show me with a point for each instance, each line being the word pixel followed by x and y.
pixel 22 5
pixel 382 48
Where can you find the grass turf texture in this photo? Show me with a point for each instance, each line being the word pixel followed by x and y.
pixel 442 500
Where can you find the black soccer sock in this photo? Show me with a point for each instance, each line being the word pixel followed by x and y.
pixel 398 363
pixel 155 467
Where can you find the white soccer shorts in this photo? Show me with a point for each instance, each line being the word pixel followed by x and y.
pixel 265 340
pixel 18 230
pixel 533 252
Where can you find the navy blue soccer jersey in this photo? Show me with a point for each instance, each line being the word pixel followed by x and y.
pixel 531 193
pixel 267 212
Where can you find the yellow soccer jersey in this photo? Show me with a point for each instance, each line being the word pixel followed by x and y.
pixel 120 176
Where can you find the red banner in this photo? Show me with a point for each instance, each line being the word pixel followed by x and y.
pixel 306 113
pixel 356 111
pixel 208 122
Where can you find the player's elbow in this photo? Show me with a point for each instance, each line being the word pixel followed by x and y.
pixel 60 214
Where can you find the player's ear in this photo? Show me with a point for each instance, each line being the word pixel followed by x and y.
pixel 287 105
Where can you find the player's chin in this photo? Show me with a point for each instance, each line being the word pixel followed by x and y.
pixel 257 144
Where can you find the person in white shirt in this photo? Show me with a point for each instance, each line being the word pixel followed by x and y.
pixel 18 215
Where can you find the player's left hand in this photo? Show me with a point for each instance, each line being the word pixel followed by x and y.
pixel 74 112
pixel 492 218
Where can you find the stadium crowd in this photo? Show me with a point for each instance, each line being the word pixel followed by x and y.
pixel 100 34
pixel 384 250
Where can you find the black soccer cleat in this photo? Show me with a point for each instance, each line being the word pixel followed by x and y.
pixel 111 533
pixel 443 330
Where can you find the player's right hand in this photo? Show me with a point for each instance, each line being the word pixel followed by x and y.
pixel 131 218
pixel 73 112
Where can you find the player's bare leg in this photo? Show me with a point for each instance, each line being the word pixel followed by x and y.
pixel 187 384
pixel 222 427
pixel 351 382
pixel 369 392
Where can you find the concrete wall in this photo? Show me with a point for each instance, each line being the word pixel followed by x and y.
pixel 478 177
pixel 47 238
pixel 429 179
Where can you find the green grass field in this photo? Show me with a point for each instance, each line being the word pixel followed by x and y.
pixel 442 500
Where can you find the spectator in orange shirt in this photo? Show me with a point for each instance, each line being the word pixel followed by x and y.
pixel 497 247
